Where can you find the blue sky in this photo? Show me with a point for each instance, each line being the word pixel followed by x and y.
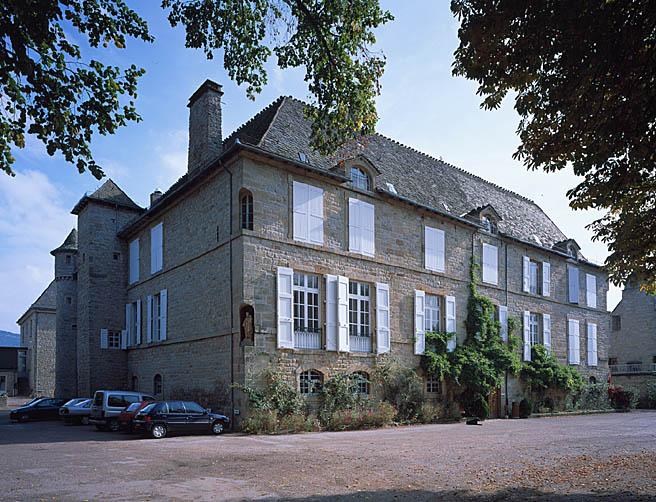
pixel 421 105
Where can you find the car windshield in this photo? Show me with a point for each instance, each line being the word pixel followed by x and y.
pixel 72 402
pixel 84 404
pixel 133 407
pixel 146 408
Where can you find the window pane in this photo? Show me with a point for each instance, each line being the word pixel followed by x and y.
pixel 193 407
pixel 176 407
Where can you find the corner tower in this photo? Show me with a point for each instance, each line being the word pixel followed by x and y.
pixel 66 323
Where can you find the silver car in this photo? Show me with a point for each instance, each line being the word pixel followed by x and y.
pixel 76 411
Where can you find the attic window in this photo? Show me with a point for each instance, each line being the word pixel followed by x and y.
pixel 489 224
pixel 303 157
pixel 571 251
pixel 359 179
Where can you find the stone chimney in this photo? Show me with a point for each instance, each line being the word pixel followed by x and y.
pixel 154 196
pixel 205 138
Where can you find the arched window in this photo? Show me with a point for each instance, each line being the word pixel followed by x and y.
pixel 135 383
pixel 359 179
pixel 246 214
pixel 157 384
pixel 361 379
pixel 311 382
pixel 593 380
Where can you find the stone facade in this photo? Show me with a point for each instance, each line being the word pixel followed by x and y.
pixel 180 279
pixel 38 336
pixel 632 350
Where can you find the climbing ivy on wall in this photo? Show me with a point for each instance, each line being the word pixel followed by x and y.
pixel 479 364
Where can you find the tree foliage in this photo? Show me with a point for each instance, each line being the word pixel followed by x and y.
pixel 478 365
pixel 47 89
pixel 583 74
pixel 332 40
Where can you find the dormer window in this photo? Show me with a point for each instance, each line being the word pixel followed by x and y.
pixel 571 251
pixel 359 179
pixel 489 224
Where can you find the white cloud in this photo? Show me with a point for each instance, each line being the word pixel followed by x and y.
pixel 34 221
pixel 171 158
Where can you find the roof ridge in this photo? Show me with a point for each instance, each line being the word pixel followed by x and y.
pixel 448 164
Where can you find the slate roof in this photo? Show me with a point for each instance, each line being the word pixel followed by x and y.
pixel 46 301
pixel 108 193
pixel 69 244
pixel 282 129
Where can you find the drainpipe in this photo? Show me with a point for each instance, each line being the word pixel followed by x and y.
pixel 232 313
pixel 507 410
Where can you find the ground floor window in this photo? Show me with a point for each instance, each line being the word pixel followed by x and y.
pixel 157 384
pixel 361 380
pixel 310 382
pixel 433 386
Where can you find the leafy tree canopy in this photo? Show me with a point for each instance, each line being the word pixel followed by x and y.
pixel 584 75
pixel 50 91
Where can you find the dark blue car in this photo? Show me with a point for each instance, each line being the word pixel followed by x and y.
pixel 178 417
pixel 40 409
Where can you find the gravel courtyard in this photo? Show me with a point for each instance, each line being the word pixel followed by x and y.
pixel 594 457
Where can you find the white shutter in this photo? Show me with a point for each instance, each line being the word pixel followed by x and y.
pixel 285 303
pixel 546 279
pixel 503 319
pixel 490 264
pixel 124 339
pixel 592 344
pixel 573 339
pixel 355 232
pixel 301 195
pixel 162 317
pixel 527 335
pixel 573 280
pixel 156 241
pixel 315 218
pixel 450 308
pixel 546 332
pixel 367 222
pixel 434 249
pixel 343 341
pixel 331 312
pixel 383 342
pixel 103 338
pixel 526 265
pixel 420 321
pixel 591 290
pixel 150 319
pixel 128 322
pixel 134 261
pixel 138 314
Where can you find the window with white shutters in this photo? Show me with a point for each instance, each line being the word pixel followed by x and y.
pixel 592 344
pixel 591 290
pixel 546 332
pixel 156 247
pixel 533 270
pixel 490 264
pixel 307 325
pixel 359 317
pixel 157 308
pixel 420 316
pixel 285 308
pixel 527 335
pixel 450 322
pixel 434 249
pixel 383 342
pixel 573 283
pixel 546 279
pixel 433 313
pixel 503 320
pixel 573 353
pixel 134 261
pixel 536 277
pixel 361 227
pixel 308 213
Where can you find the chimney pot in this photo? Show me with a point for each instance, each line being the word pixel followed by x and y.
pixel 154 196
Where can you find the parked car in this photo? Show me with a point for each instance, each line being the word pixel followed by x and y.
pixel 41 409
pixel 164 417
pixel 76 411
pixel 126 418
pixel 108 404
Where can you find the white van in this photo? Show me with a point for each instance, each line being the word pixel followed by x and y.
pixel 108 404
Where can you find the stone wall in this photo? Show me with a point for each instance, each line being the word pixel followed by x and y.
pixel 66 323
pixel 46 340
pixel 636 339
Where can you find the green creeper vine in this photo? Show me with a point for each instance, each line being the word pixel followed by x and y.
pixel 478 365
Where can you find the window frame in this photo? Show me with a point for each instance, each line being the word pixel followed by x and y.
pixel 433 386
pixel 359 298
pixel 435 310
pixel 157 384
pixel 310 382
pixel 156 320
pixel 361 180
pixel 246 206
pixel 306 314
pixel 535 331
pixel 363 382
pixel 113 339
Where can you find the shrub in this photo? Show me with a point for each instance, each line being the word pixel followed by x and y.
pixel 339 393
pixel 431 412
pixel 262 422
pixel 362 418
pixel 648 398
pixel 403 389
pixel 299 422
pixel 278 395
pixel 543 372
pixel 594 397
pixel 622 399
pixel 525 408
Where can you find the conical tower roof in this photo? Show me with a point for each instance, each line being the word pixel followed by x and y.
pixel 70 244
pixel 108 193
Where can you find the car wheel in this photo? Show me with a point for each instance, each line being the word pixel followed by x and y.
pixel 158 431
pixel 217 427
pixel 84 420
pixel 114 425
pixel 24 418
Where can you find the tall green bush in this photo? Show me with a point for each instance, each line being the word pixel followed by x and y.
pixel 339 393
pixel 543 372
pixel 401 387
